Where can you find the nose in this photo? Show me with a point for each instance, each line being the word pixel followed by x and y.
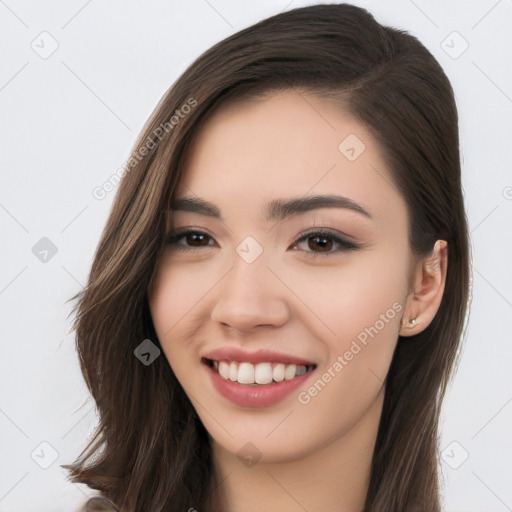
pixel 250 296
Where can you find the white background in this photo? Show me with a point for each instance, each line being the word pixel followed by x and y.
pixel 69 121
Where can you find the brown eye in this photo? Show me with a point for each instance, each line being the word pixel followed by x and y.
pixel 323 243
pixel 196 239
pixel 188 240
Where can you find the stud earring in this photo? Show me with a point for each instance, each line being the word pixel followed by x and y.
pixel 410 324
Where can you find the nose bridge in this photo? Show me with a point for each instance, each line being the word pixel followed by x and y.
pixel 249 294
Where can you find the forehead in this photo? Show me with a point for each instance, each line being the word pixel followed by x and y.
pixel 287 145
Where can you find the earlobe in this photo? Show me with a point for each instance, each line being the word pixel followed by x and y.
pixel 429 280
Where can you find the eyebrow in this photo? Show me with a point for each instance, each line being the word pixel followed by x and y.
pixel 276 209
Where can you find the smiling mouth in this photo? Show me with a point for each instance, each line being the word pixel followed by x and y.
pixel 259 374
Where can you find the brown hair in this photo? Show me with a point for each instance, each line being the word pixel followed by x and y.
pixel 151 452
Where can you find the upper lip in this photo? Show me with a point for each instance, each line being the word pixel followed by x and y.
pixel 258 356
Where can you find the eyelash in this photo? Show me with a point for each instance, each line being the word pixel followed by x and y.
pixel 345 245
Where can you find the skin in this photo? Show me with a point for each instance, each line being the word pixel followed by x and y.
pixel 316 455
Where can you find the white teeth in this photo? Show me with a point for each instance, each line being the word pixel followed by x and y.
pixel 224 369
pixel 278 372
pixel 233 371
pixel 289 371
pixel 262 373
pixel 246 373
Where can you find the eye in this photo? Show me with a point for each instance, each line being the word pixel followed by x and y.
pixel 192 239
pixel 322 243
pixel 319 243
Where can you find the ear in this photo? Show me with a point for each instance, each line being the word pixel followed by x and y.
pixel 428 281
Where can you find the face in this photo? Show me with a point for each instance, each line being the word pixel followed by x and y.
pixel 298 262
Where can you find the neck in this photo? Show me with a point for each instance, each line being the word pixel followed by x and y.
pixel 334 477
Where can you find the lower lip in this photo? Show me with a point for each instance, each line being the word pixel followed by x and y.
pixel 247 395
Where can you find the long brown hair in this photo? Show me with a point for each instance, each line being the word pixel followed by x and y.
pixel 151 452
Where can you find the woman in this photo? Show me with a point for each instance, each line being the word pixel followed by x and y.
pixel 276 303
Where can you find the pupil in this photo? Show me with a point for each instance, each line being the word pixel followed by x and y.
pixel 323 242
pixel 196 237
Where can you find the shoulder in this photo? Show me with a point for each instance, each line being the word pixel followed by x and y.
pixel 97 504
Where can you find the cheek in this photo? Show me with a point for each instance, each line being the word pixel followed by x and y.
pixel 362 306
pixel 176 297
pixel 344 300
pixel 175 304
pixel 353 310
